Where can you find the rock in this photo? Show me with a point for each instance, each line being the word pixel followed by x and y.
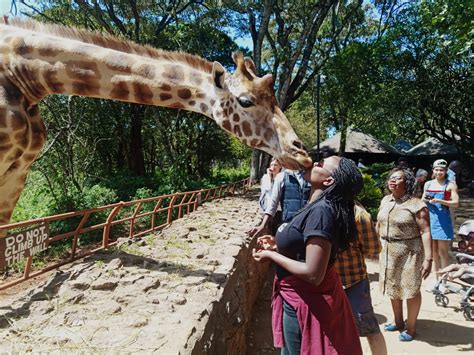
pixel 148 284
pixel 177 299
pixel 79 285
pixel 114 264
pixel 138 322
pixel 123 241
pixel 104 285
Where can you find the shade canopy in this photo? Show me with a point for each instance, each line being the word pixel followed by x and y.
pixel 358 142
pixel 432 146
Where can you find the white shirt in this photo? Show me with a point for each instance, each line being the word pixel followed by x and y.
pixel 277 188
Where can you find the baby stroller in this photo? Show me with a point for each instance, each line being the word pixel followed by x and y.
pixel 459 278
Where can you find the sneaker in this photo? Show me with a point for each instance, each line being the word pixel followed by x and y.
pixel 390 327
pixel 404 336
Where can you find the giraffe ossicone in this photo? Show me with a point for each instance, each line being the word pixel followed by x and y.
pixel 38 59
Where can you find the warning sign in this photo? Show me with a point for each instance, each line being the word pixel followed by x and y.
pixel 18 246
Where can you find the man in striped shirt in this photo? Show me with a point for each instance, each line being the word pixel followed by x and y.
pixel 352 270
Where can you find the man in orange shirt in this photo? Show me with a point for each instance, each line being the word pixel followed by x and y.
pixel 352 270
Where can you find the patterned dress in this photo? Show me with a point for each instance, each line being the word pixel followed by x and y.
pixel 402 253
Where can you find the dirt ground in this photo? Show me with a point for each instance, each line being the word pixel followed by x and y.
pixel 441 330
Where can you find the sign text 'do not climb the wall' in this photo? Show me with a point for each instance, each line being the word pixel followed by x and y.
pixel 17 246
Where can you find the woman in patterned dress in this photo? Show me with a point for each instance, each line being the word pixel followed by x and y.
pixel 406 257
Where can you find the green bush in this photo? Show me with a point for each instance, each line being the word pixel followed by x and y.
pixel 371 195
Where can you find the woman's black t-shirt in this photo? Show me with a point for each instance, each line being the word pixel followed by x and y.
pixel 316 221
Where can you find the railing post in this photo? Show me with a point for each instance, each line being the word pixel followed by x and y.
pixel 27 270
pixel 170 209
pixel 107 227
pixel 77 232
pixel 153 216
pixel 132 222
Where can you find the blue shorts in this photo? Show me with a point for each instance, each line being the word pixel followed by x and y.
pixel 361 303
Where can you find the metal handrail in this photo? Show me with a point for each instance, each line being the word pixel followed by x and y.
pixel 170 207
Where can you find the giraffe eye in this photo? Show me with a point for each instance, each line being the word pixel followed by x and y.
pixel 245 101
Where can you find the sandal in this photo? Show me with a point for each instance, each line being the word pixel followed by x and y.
pixel 404 336
pixel 390 327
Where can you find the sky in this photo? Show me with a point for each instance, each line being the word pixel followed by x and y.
pixel 5 6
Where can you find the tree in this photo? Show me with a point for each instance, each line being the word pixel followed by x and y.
pixel 293 40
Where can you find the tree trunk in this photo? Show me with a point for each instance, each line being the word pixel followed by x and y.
pixel 137 161
pixel 260 163
pixel 342 143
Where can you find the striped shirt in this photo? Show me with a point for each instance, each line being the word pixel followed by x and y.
pixel 350 264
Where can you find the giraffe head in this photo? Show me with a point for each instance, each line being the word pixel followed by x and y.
pixel 246 106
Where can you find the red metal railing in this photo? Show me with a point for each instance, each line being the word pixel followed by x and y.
pixel 165 209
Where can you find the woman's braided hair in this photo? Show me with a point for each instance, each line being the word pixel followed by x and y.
pixel 408 176
pixel 340 196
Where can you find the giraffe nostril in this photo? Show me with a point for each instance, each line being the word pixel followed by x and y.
pixel 299 145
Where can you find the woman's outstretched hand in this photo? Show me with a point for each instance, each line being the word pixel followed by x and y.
pixel 266 242
pixel 261 255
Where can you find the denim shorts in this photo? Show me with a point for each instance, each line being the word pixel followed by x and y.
pixel 361 303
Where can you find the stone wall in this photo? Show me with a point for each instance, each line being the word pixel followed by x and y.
pixel 229 318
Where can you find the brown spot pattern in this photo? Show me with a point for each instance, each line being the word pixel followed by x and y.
pixel 173 73
pixel 143 94
pixel 204 107
pixel 184 93
pixel 145 70
pixel 120 91
pixel 85 89
pixel 192 103
pixel 236 117
pixel 226 125
pixel 200 95
pixel 13 95
pixel 49 51
pixel 247 129
pixel 17 121
pixel 4 138
pixel 237 131
pixel 20 47
pixel 177 105
pixel 268 134
pixel 165 87
pixel 254 142
pixel 165 96
pixel 51 79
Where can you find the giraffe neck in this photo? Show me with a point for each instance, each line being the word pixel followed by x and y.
pixel 43 64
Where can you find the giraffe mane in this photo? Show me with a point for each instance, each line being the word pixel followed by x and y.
pixel 108 41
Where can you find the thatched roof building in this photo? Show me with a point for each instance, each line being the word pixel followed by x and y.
pixel 360 145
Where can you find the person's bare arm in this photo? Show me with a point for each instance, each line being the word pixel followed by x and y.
pixel 454 202
pixel 313 270
pixel 422 219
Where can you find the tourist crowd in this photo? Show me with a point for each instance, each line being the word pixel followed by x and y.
pixel 318 237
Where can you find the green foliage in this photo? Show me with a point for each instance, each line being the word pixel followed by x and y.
pixel 371 195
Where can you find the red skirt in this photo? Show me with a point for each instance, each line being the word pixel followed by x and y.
pixel 324 315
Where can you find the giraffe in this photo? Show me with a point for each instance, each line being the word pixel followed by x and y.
pixel 38 59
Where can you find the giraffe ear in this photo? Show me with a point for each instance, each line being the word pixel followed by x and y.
pixel 240 61
pixel 250 66
pixel 267 80
pixel 218 75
